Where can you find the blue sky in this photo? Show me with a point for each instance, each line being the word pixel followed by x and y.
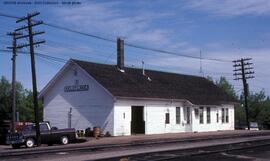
pixel 228 29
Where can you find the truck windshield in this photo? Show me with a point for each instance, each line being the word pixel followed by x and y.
pixel 44 127
pixel 29 128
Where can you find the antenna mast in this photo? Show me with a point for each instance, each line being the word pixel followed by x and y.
pixel 201 70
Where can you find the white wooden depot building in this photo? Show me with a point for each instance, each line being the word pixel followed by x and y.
pixel 125 101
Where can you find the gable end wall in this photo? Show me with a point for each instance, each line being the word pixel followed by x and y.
pixel 89 108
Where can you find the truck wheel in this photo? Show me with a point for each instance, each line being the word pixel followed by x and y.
pixel 15 146
pixel 29 143
pixel 64 140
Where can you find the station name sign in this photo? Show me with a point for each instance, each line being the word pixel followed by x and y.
pixel 76 88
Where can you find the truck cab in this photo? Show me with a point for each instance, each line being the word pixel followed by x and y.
pixel 49 135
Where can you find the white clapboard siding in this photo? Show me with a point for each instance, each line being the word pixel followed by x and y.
pixel 213 125
pixel 154 117
pixel 89 108
pixel 97 107
pixel 122 120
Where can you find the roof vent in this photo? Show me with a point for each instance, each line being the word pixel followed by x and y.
pixel 120 54
pixel 121 70
pixel 149 79
pixel 143 71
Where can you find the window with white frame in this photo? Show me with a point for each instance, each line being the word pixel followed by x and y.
pixel 208 115
pixel 167 118
pixel 187 115
pixel 222 115
pixel 217 116
pixel 177 115
pixel 226 115
pixel 201 115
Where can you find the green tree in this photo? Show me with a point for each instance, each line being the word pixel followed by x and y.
pixel 24 102
pixel 264 115
pixel 259 108
pixel 224 84
pixel 26 108
pixel 5 100
pixel 259 104
pixel 256 101
pixel 239 115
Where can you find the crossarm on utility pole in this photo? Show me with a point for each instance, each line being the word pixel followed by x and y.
pixel 245 92
pixel 31 45
pixel 243 71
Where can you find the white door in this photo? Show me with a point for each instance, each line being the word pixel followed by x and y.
pixel 187 119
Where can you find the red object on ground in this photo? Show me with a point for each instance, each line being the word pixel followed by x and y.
pixel 19 125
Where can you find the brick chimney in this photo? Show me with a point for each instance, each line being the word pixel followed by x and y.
pixel 120 54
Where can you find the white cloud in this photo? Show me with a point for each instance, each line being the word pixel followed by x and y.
pixel 108 19
pixel 137 27
pixel 231 7
pixel 217 69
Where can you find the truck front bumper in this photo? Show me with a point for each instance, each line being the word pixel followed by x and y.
pixel 10 142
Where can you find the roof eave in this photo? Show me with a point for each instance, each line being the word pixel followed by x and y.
pixel 89 75
pixel 54 79
pixel 189 103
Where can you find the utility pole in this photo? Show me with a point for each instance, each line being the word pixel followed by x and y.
pixel 243 71
pixel 31 44
pixel 14 50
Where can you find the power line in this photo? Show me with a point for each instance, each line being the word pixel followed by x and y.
pixel 65 28
pixel 50 63
pixel 63 60
pixel 48 57
pixel 38 54
pixel 111 46
pixel 74 48
pixel 79 32
pixel 127 44
pixel 52 58
pixel 108 55
pixel 58 60
pixel 9 51
pixel 174 53
pixel 9 16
